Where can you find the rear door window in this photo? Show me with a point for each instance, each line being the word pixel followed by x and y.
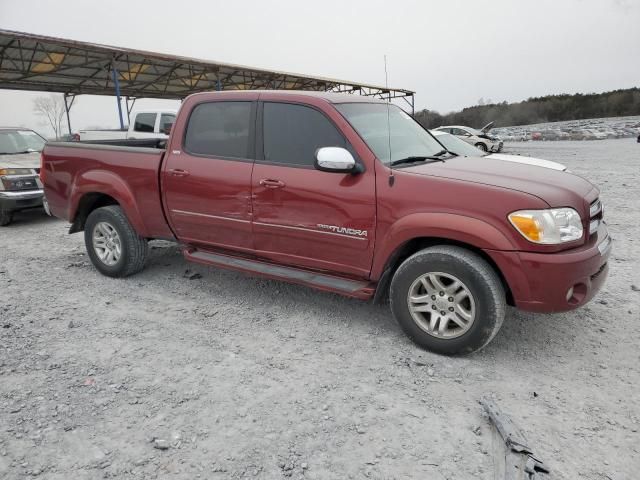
pixel 145 122
pixel 166 119
pixel 293 133
pixel 220 129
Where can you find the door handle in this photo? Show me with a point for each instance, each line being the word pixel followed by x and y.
pixel 268 183
pixel 178 172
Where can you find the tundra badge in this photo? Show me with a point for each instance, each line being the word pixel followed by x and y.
pixel 343 230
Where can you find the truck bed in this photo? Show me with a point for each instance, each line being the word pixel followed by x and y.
pixel 126 170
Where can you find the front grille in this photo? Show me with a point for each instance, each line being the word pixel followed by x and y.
pixel 19 182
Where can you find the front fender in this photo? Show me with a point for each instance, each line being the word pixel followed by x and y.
pixel 107 183
pixel 459 228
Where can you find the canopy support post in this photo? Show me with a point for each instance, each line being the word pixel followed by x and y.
pixel 116 82
pixel 67 107
pixel 129 107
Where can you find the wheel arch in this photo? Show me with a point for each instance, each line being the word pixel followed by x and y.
pixel 88 203
pixel 99 188
pixel 414 245
pixel 405 239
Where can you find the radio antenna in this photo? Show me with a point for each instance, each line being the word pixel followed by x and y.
pixel 386 85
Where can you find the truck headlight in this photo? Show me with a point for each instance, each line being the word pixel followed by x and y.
pixel 554 226
pixel 15 171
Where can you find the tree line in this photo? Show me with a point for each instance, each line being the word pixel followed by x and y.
pixel 550 108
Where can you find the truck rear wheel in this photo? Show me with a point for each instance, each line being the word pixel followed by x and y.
pixel 113 245
pixel 448 300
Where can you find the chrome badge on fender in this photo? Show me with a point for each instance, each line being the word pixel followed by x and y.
pixel 344 230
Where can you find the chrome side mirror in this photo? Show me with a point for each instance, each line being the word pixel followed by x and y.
pixel 335 159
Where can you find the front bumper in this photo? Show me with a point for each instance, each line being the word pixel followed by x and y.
pixel 556 282
pixel 20 200
pixel 496 147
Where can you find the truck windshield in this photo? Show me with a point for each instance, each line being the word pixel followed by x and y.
pixel 384 125
pixel 20 141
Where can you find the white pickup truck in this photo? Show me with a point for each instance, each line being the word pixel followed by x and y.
pixel 144 124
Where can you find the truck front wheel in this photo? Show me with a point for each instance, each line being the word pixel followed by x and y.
pixel 113 245
pixel 5 218
pixel 448 300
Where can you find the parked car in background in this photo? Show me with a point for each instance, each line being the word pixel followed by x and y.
pixel 593 134
pixel 478 138
pixel 145 124
pixel 346 194
pixel 584 129
pixel 459 147
pixel 549 134
pixel 20 186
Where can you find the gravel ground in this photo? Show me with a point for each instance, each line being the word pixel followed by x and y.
pixel 190 372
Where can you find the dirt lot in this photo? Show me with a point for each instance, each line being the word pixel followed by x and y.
pixel 235 377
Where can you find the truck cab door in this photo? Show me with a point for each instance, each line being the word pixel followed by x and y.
pixel 206 177
pixel 303 216
pixel 143 126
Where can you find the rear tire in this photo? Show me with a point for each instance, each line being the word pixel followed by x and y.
pixel 448 300
pixel 113 245
pixel 5 218
pixel 482 146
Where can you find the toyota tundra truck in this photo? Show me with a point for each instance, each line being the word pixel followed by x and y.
pixel 345 194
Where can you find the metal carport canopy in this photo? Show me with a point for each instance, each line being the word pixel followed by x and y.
pixel 40 63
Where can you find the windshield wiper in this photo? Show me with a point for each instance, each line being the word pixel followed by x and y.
pixel 16 153
pixel 419 158
pixel 444 152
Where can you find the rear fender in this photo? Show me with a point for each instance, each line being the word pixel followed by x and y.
pixel 453 227
pixel 108 183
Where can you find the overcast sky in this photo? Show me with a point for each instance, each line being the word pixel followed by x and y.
pixel 451 52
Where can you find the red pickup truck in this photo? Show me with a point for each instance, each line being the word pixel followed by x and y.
pixel 346 194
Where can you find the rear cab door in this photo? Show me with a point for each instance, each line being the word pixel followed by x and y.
pixel 303 216
pixel 206 176
pixel 143 125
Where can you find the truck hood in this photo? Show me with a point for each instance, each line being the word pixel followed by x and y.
pixel 487 127
pixel 556 188
pixel 20 160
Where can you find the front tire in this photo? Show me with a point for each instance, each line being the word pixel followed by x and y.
pixel 482 146
pixel 448 300
pixel 5 218
pixel 113 245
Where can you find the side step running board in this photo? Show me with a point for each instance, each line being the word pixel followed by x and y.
pixel 343 286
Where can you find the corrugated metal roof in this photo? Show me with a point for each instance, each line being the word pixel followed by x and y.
pixel 40 63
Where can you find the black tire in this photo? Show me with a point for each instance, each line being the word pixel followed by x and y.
pixel 133 247
pixel 482 146
pixel 478 277
pixel 5 218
